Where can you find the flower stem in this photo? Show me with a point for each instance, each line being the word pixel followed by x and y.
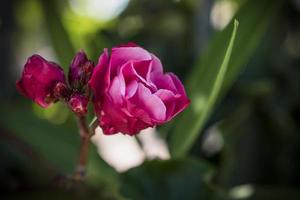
pixel 80 171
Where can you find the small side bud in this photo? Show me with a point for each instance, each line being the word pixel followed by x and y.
pixel 78 104
pixel 61 90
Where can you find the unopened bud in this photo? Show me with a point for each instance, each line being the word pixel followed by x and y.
pixel 80 70
pixel 38 80
pixel 61 90
pixel 78 104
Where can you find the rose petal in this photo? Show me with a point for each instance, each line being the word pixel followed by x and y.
pixel 166 95
pixel 114 120
pixel 122 55
pixel 100 79
pixel 174 103
pixel 169 99
pixel 177 84
pixel 139 71
pixel 163 81
pixel 156 64
pixel 152 104
pixel 131 88
pixel 117 90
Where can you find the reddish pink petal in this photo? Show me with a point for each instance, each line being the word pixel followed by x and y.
pixel 177 83
pixel 150 103
pixel 168 98
pixel 163 81
pixel 139 71
pixel 131 88
pixel 100 79
pixel 117 90
pixel 114 120
pixel 122 55
pixel 156 64
pixel 174 103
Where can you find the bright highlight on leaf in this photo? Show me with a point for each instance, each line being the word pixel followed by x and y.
pixel 179 144
pixel 254 19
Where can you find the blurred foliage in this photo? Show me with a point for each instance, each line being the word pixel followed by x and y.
pixel 164 180
pixel 203 103
pixel 50 149
pixel 59 37
pixel 201 80
pixel 256 115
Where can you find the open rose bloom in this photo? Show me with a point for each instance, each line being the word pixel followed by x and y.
pixel 131 91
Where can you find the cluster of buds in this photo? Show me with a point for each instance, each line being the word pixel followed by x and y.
pixel 130 90
pixel 45 82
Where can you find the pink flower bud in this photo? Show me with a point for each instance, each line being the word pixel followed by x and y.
pixel 38 79
pixel 61 90
pixel 132 93
pixel 78 104
pixel 80 70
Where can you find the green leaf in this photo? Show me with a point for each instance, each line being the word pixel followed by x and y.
pixel 171 179
pixel 178 146
pixel 202 89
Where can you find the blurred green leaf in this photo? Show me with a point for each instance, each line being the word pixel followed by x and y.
pixel 254 17
pixel 18 156
pixel 274 193
pixel 203 103
pixel 171 179
pixel 259 192
pixel 78 191
pixel 58 144
pixel 57 32
pixel 262 192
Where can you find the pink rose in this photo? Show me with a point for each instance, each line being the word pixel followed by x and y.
pixel 39 79
pixel 132 93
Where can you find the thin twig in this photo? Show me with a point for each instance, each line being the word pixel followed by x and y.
pixel 80 171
